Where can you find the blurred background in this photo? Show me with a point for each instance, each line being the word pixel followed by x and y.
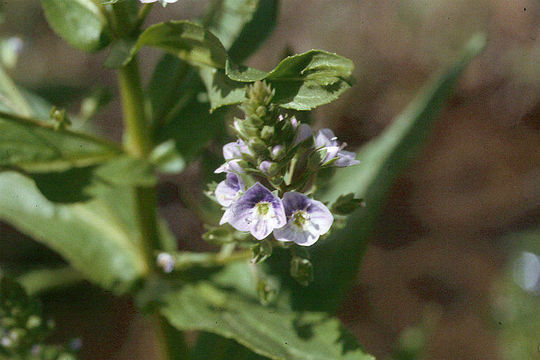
pixel 453 271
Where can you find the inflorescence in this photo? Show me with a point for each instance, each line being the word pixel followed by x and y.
pixel 270 170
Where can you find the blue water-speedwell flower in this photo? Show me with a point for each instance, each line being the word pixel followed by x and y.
pixel 233 152
pixel 307 219
pixel 229 189
pixel 258 211
pixel 326 140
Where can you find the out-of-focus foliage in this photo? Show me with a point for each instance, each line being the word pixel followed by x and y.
pixel 516 299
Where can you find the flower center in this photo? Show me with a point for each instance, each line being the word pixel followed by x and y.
pixel 300 217
pixel 262 208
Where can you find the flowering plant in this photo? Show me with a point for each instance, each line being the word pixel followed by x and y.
pixel 290 202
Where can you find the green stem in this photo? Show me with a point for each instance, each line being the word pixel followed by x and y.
pixel 188 260
pixel 138 142
pixel 137 139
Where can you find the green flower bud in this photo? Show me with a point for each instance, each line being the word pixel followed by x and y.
pixel 261 251
pixel 267 132
pixel 301 270
pixel 258 146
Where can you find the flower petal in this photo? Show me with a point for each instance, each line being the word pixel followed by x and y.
pixel 346 158
pixel 261 228
pixel 291 232
pixel 320 217
pixel 303 133
pixel 293 201
pixel 234 150
pixel 229 189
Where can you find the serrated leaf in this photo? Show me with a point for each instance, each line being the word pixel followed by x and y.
pixel 382 161
pixel 79 22
pixel 301 82
pixel 187 40
pixel 35 146
pixel 274 332
pixel 98 238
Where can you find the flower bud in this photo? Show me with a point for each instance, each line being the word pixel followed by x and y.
pixel 267 289
pixel 258 146
pixel 301 270
pixel 267 132
pixel 278 152
pixel 261 251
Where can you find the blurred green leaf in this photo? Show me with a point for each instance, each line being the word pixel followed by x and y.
pixel 166 158
pixel 185 39
pixel 98 238
pixel 336 260
pixel 10 49
pixel 242 25
pixel 516 297
pixel 79 22
pixel 225 307
pixel 34 145
pixel 213 347
pixel 11 97
pixel 83 183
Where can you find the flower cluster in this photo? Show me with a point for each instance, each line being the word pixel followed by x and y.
pixel 279 158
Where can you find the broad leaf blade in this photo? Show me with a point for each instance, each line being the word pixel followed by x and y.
pixel 213 347
pixel 79 22
pixel 382 161
pixel 187 40
pixel 301 82
pixel 94 237
pixel 37 147
pixel 277 333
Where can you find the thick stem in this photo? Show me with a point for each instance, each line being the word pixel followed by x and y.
pixel 137 139
pixel 138 142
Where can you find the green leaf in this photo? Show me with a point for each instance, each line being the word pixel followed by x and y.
pixel 213 347
pixel 82 184
pixel 98 238
pixel 225 308
pixel 79 22
pixel 187 40
pixel 336 259
pixel 192 128
pixel 242 25
pixel 35 146
pixel 221 89
pixel 176 91
pixel 166 158
pixel 301 82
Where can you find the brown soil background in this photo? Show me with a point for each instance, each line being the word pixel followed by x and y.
pixel 438 250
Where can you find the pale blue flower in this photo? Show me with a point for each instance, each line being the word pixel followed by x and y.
pixel 233 153
pixel 307 219
pixel 165 261
pixel 327 141
pixel 258 211
pixel 303 132
pixel 230 189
